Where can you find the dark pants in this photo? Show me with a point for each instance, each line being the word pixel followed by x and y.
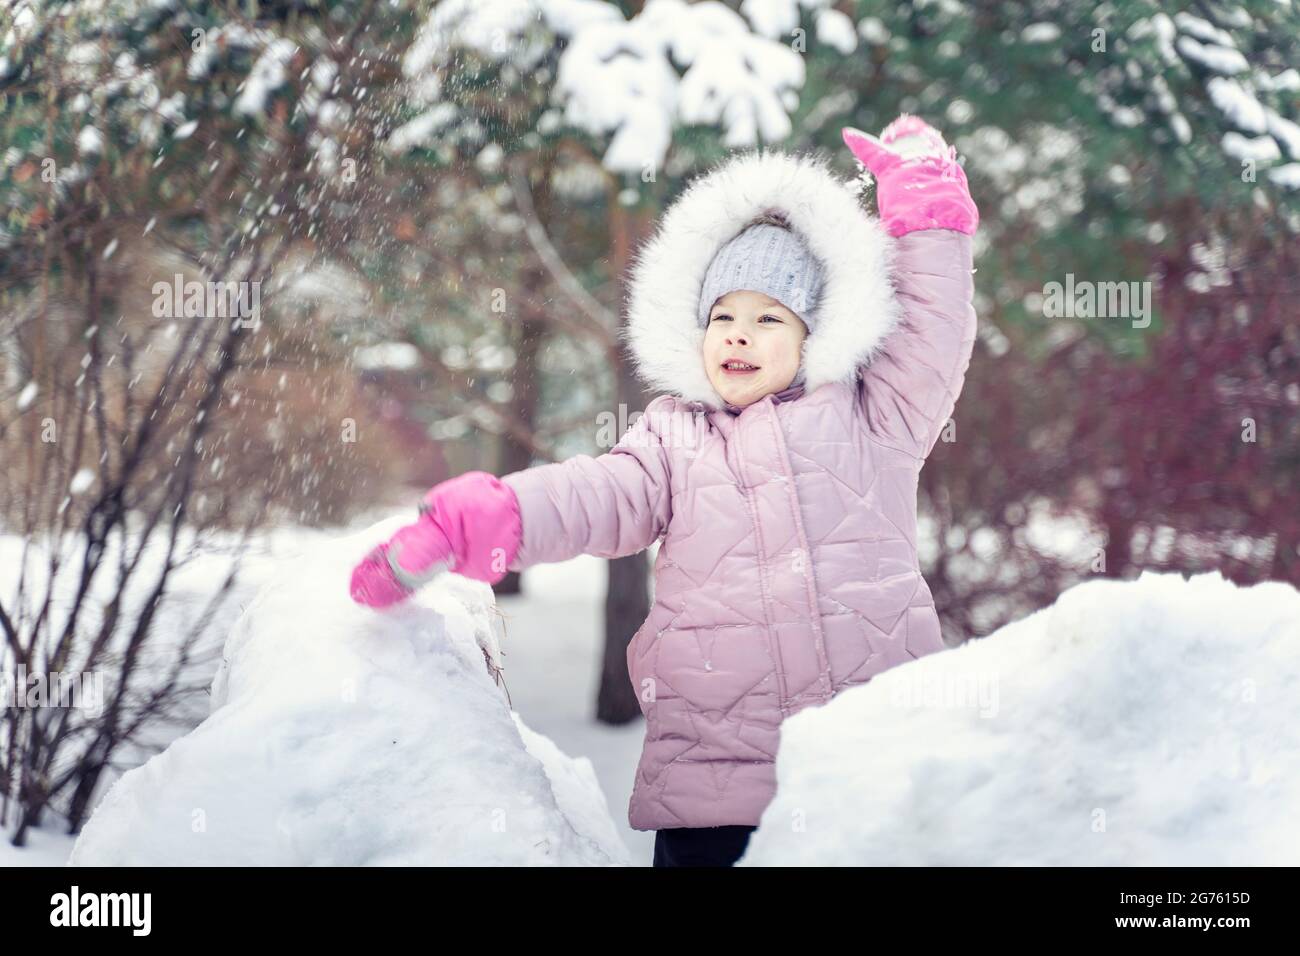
pixel 701 846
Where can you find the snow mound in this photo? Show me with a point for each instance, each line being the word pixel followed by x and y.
pixel 344 736
pixel 1148 722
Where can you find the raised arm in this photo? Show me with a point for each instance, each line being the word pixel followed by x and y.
pixel 909 390
pixel 611 506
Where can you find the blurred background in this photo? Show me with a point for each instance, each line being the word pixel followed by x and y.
pixel 270 270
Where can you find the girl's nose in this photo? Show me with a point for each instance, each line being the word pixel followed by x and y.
pixel 738 339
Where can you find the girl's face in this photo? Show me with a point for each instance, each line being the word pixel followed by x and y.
pixel 755 329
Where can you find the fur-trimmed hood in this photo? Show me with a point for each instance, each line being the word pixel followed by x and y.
pixel 857 308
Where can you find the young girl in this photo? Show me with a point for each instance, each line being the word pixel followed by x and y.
pixel 812 355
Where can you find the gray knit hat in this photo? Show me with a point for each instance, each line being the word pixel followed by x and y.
pixel 769 257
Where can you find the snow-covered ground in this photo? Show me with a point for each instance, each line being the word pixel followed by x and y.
pixel 46 846
pixel 550 647
pixel 1137 722
pixel 340 735
pixel 191 587
pixel 1148 722
pixel 553 648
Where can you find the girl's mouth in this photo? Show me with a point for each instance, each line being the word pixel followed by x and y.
pixel 737 367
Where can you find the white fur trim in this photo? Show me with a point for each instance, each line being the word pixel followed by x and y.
pixel 858 308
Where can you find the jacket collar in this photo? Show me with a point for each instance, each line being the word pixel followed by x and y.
pixel 787 394
pixel 857 308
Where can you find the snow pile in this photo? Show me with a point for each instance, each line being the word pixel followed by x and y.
pixel 344 736
pixel 1149 722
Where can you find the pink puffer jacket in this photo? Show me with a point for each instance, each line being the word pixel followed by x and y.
pixel 788 565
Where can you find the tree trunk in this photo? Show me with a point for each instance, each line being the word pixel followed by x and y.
pixel 627 601
pixel 79 805
pixel 514 455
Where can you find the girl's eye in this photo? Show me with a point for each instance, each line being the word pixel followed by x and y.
pixel 720 316
pixel 774 318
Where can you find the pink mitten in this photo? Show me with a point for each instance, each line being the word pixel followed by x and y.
pixel 919 183
pixel 469 524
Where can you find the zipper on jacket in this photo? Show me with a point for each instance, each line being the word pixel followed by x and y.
pixel 810 583
pixel 773 645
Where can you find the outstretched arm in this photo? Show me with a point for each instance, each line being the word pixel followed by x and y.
pixel 481 526
pixel 909 390
pixel 611 506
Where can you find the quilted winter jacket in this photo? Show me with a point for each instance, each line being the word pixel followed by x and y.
pixel 788 564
